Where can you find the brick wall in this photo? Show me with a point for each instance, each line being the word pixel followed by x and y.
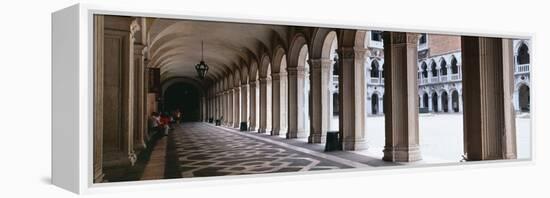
pixel 443 44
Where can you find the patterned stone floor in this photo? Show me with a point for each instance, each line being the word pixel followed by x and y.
pixel 200 149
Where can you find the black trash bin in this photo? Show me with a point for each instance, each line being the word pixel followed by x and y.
pixel 333 141
pixel 210 120
pixel 244 126
pixel 218 122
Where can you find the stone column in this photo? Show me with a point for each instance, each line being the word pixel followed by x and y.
pixel 401 89
pixel 296 99
pixel 488 85
pixel 129 83
pixel 252 118
pixel 430 103
pixel 460 103
pixel 223 101
pixel 263 105
pixel 98 97
pixel 244 105
pixel 140 114
pixel 219 106
pixel 276 104
pixel 352 96
pixel 236 106
pixel 439 102
pixel 450 102
pixel 230 95
pixel 320 96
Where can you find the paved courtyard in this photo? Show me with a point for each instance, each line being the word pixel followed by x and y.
pixel 201 149
pixel 441 136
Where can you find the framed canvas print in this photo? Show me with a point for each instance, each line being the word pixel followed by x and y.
pixel 143 96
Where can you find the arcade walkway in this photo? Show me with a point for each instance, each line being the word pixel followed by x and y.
pixel 201 149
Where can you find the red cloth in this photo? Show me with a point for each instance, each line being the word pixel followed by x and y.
pixel 165 120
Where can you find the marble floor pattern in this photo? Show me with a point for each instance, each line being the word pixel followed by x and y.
pixel 200 150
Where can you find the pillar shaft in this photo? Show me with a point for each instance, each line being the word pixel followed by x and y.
pixel 276 106
pixel 320 99
pixel 230 107
pixel 140 114
pixel 252 117
pixel 352 98
pixel 236 106
pixel 98 97
pixel 244 105
pixel 489 119
pixel 296 102
pixel 263 105
pixel 401 88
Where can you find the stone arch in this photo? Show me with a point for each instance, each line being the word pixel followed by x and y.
pixel 265 66
pixel 295 50
pixel 277 61
pixel 322 42
pixel 244 74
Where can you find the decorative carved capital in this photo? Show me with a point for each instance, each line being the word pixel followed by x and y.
pixel 134 28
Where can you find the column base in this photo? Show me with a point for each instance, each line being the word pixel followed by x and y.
pixel 261 130
pixel 354 145
pixel 98 178
pixel 236 125
pixel 296 134
pixel 402 154
pixel 274 132
pixel 138 147
pixel 317 138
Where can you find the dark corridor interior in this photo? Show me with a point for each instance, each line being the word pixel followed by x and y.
pixel 184 97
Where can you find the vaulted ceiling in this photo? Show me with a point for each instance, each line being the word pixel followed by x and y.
pixel 175 45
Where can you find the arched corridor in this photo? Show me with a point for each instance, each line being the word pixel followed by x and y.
pixel 280 98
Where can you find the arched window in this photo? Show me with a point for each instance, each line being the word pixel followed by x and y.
pixel 443 67
pixel 424 70
pixel 454 66
pixel 523 54
pixel 434 69
pixel 423 38
pixel 374 104
pixel 374 73
pixel 376 35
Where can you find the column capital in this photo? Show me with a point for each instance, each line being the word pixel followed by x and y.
pixel 400 38
pixel 264 80
pixel 244 85
pixel 296 71
pixel 276 76
pixel 320 63
pixel 134 27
